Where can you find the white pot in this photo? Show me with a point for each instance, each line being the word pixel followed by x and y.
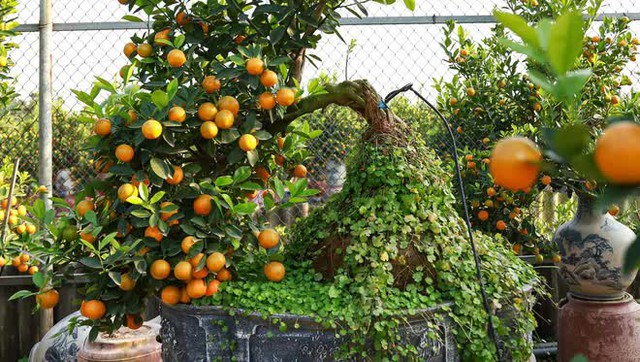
pixel 592 246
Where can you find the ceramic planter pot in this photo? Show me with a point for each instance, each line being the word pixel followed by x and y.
pixel 592 246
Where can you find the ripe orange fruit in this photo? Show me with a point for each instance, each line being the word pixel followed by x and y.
pixel 33 269
pixel 162 35
pixel 515 163
pixel 269 78
pixel 615 99
pixel 239 39
pixel 129 49
pixel 151 129
pixel 453 101
pixel 166 215
pixel 187 243
pixel 3 261
pixel 274 271
pixel 134 321
pixel 199 274
pixel 48 299
pixel 21 229
pixel 124 153
pixel 483 215
pixel 23 268
pixel 136 183
pixel 84 206
pixel 517 248
pixel 281 141
pixel 126 191
pixel 248 142
pixel 468 157
pixel 170 295
pixel 617 153
pixel 42 189
pixel 501 225
pixel 279 160
pixel 88 237
pixel 202 205
pixel 207 112
pixel 285 97
pixel 230 104
pixel 93 309
pixel 614 210
pixel 546 180
pixel 195 261
pixel 102 127
pixel 160 269
pixel 182 19
pixel 182 271
pixel 103 165
pixel 177 177
pixel 268 238
pixel 300 171
pixel 196 288
pixel 176 58
pixel 263 174
pixel 471 92
pixel 184 297
pixel 154 233
pixel 459 129
pixel 145 50
pixel 216 262
pixel 212 287
pixel 225 119
pixel 177 114
pixel 491 192
pixel 211 84
pixel 224 275
pixel 15 262
pixel 556 258
pixel 267 100
pixel 537 107
pixel 127 283
pixel 255 66
pixel 208 130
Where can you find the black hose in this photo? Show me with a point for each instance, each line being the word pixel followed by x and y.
pixel 485 299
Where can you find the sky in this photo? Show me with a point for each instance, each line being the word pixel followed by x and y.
pixel 389 56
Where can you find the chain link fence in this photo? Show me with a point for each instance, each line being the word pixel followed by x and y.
pixel 390 48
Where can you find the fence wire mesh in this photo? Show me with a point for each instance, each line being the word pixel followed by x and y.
pixel 391 48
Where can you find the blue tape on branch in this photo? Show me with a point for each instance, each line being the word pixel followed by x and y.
pixel 382 105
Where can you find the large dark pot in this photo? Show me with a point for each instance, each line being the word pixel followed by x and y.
pixel 192 333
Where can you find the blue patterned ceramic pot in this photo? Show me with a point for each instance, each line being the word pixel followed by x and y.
pixel 592 246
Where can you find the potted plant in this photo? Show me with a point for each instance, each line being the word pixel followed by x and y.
pixel 199 127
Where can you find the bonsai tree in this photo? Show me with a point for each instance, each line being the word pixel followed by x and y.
pixel 200 125
pixel 491 97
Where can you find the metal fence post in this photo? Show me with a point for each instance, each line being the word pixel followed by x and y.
pixel 45 174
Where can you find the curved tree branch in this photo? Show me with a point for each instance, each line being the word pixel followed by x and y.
pixel 357 95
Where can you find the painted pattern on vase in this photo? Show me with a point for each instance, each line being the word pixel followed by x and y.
pixel 592 246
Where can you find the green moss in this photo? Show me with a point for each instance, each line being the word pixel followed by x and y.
pixel 402 247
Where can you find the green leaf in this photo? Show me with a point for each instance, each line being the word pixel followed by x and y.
pixel 21 294
pixel 160 98
pixel 223 181
pixel 38 279
pixel 133 19
pixel 569 140
pixel 276 35
pixel 531 52
pixel 569 85
pixel 241 174
pixel 143 214
pixel 249 186
pixel 565 42
pixel 172 89
pixel 160 168
pixel 157 197
pixel 519 26
pixel 246 208
pixel 93 263
pixel 278 187
pixel 410 4
pixel 135 200
pixel 253 157
pixel 263 135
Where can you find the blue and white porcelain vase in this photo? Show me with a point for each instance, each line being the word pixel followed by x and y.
pixel 592 247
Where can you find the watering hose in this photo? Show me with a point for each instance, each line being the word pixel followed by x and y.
pixel 384 105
